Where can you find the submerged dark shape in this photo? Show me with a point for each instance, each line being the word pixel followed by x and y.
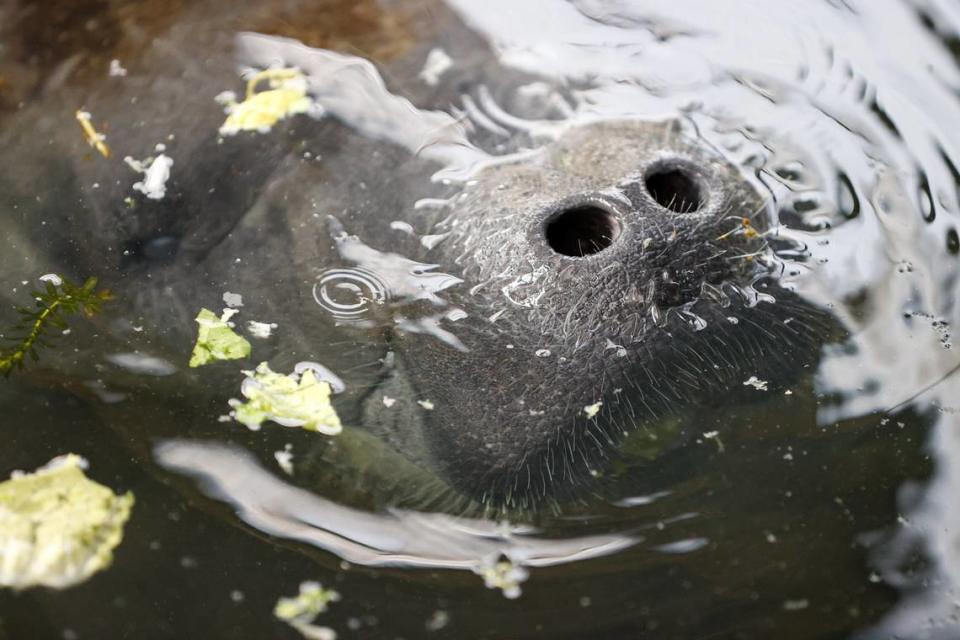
pixel 610 277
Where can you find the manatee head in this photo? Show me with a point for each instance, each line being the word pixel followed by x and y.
pixel 611 278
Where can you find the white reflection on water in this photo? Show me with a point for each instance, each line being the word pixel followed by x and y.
pixel 141 363
pixel 394 538
pixel 351 89
pixel 387 280
pixel 403 278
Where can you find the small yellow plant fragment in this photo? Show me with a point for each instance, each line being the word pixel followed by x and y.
pixel 216 340
pixel 260 110
pixel 94 138
pixel 502 574
pixel 295 400
pixel 58 527
pixel 301 610
pixel 591 410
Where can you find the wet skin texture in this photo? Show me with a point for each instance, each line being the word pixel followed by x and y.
pixel 657 319
pixel 631 232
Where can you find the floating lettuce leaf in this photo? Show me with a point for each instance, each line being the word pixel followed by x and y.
pixel 295 400
pixel 301 610
pixel 259 111
pixel 216 340
pixel 57 527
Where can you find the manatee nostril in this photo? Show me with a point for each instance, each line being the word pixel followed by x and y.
pixel 582 230
pixel 674 189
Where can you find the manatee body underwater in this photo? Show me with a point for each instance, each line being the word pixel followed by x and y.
pixel 619 267
pixel 607 313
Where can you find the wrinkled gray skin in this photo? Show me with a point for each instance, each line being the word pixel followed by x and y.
pixel 515 424
pixel 249 214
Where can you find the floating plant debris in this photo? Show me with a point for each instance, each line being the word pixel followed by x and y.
pixel 300 399
pixel 94 138
pixel 156 172
pixel 503 574
pixel 301 610
pixel 216 339
pixel 116 70
pixel 57 527
pixel 591 410
pixel 60 298
pixel 436 64
pixel 262 330
pixel 259 111
pixel 232 300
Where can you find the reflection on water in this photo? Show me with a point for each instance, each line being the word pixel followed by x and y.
pixel 384 279
pixel 801 510
pixel 351 89
pixel 396 538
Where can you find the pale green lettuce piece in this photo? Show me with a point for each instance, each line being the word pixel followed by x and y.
pixel 295 400
pixel 216 340
pixel 57 527
pixel 286 96
pixel 301 610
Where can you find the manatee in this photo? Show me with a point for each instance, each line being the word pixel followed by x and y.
pixel 528 306
pixel 610 279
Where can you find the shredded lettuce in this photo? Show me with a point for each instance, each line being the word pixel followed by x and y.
pixel 216 339
pixel 295 400
pixel 57 527
pixel 301 610
pixel 259 111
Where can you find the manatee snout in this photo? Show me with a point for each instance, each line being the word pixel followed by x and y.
pixel 610 280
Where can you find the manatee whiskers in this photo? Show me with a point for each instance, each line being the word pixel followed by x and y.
pixel 746 256
pixel 571 458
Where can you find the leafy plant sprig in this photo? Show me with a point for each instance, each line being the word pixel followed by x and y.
pixel 53 306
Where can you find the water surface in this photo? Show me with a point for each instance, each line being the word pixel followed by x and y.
pixel 822 511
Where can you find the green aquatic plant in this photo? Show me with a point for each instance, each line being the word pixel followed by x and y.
pixel 59 300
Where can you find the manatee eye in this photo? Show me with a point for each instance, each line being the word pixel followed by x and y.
pixel 674 188
pixel 581 230
pixel 158 250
